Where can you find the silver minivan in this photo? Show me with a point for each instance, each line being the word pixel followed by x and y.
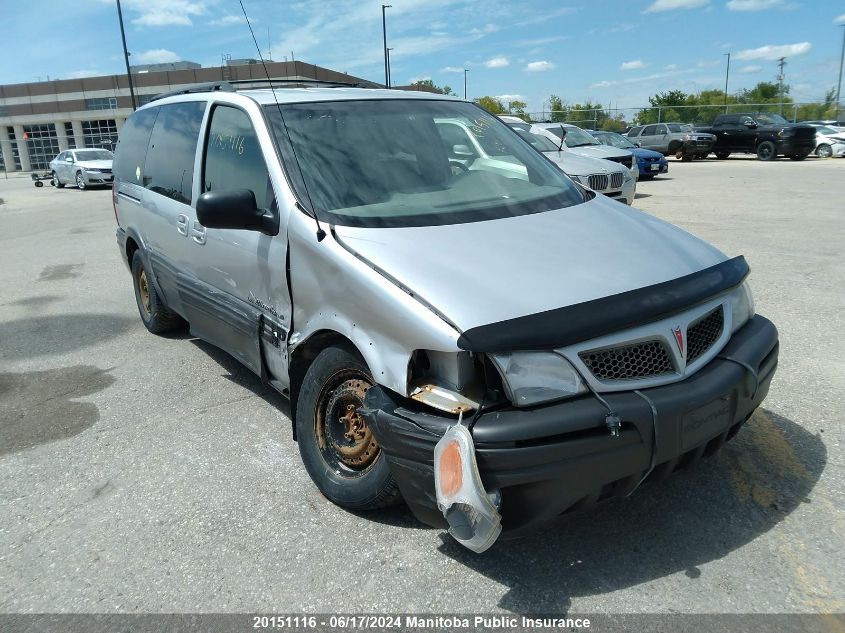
pixel 497 347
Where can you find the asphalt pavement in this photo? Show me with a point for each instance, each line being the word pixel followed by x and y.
pixel 154 474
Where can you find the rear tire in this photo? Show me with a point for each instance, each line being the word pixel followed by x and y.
pixel 340 454
pixel 154 314
pixel 824 151
pixel 767 151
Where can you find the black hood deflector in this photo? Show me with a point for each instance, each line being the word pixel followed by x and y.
pixel 583 321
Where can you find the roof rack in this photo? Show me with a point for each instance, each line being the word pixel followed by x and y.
pixel 231 85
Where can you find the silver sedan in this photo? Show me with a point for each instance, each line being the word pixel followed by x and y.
pixel 82 167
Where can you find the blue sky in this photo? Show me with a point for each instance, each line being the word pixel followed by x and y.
pixel 614 51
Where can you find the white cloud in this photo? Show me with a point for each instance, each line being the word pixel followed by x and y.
pixel 541 41
pixel 229 20
pixel 751 69
pixel 155 56
pixel 452 69
pixel 603 84
pixel 753 5
pixel 671 5
pixel 708 63
pixel 81 74
pixel 497 62
pixel 543 17
pixel 632 65
pixel 416 79
pixel 536 67
pixel 484 30
pixel 670 66
pixel 772 52
pixel 164 12
pixel 840 19
pixel 508 98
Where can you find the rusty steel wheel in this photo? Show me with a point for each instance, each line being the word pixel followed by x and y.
pixel 346 444
pixel 144 291
pixel 339 450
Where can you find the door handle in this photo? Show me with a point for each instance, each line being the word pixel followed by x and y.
pixel 198 232
pixel 182 224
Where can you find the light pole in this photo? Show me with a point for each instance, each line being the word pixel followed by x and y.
pixel 384 35
pixel 126 55
pixel 389 74
pixel 839 88
pixel 465 82
pixel 727 74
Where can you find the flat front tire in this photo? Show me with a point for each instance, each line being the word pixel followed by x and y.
pixel 337 448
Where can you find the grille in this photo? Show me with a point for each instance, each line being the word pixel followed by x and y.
pixel 628 362
pixel 616 180
pixel 703 333
pixel 598 182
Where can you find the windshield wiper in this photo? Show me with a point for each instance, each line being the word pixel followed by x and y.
pixel 582 144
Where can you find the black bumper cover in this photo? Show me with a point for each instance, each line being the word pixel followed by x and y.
pixel 551 459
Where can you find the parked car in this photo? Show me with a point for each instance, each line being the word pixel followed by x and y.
pixel 673 139
pixel 600 175
pixel 495 348
pixel 829 142
pixel 761 133
pixel 839 126
pixel 650 163
pixel 82 167
pixel 580 142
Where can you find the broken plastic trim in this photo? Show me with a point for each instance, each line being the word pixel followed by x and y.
pixel 472 512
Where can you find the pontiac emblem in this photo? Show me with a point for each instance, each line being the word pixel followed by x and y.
pixel 679 339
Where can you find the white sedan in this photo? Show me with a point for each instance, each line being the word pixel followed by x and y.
pixel 829 142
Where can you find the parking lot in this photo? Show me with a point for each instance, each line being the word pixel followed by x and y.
pixel 148 474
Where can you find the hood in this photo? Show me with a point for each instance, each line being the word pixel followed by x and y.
pixel 646 153
pixel 599 151
pixel 577 165
pixel 95 164
pixel 484 272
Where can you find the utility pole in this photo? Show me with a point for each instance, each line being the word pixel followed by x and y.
pixel 126 55
pixel 465 82
pixel 839 89
pixel 727 74
pixel 781 77
pixel 384 35
pixel 389 73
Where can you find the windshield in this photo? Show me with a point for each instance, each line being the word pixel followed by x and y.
pixel 821 129
pixel 614 140
pixel 771 119
pixel 94 154
pixel 538 142
pixel 396 162
pixel 575 136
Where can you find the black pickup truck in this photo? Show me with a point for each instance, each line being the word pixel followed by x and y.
pixel 767 135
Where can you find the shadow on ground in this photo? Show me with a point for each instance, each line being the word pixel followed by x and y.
pixel 53 335
pixel 695 517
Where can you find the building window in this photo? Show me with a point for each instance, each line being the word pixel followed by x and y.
pixel 144 99
pixel 4 110
pixel 15 155
pixel 101 103
pixel 71 139
pixel 101 134
pixel 41 144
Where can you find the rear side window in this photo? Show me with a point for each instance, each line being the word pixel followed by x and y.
pixel 169 167
pixel 233 158
pixel 132 145
pixel 634 131
pixel 650 130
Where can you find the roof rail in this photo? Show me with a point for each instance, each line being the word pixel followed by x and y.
pixel 213 86
pixel 316 82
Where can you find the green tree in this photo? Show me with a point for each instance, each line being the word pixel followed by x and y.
pixel 517 108
pixel 558 111
pixel 433 87
pixel 491 104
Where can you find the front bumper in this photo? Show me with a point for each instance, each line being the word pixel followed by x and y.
pixel 552 459
pixel 97 178
pixel 698 147
pixel 646 170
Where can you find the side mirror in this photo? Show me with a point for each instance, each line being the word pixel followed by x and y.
pixel 750 124
pixel 235 209
pixel 69 159
pixel 462 150
pixel 638 144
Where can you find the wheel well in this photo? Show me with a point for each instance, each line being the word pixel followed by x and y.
pixel 301 358
pixel 131 247
pixel 674 146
